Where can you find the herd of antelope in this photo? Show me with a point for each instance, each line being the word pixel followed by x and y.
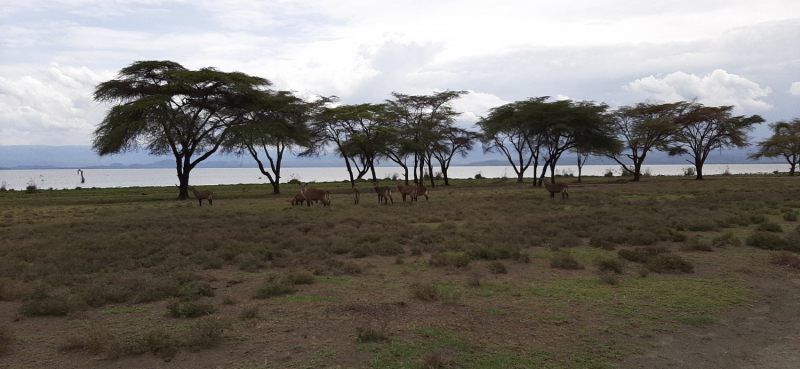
pixel 309 195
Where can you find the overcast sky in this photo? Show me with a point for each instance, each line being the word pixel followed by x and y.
pixel 722 52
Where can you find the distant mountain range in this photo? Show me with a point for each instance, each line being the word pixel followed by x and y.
pixel 82 157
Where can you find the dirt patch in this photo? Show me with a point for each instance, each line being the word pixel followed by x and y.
pixel 763 335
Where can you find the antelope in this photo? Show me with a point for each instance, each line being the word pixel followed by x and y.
pixel 202 195
pixel 410 191
pixel 556 187
pixel 384 194
pixel 297 199
pixel 313 194
pixel 421 190
pixel 356 194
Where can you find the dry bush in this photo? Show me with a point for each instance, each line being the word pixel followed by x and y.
pixel 454 259
pixel 666 263
pixel 785 258
pixel 157 341
pixel 564 260
pixel 424 292
pixel 207 332
pixel 436 360
pixel 642 254
pixel 769 227
pixel 190 308
pixel 94 341
pixel 369 335
pixel 696 244
pixel 43 303
pixel 497 267
pixel 6 339
pixel 610 265
pixel 609 278
pixel 725 240
pixel 474 278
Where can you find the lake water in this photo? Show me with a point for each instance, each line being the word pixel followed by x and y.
pixel 107 178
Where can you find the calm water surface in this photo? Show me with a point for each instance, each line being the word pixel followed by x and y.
pixel 107 178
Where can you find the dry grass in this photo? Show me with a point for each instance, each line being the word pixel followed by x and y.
pixel 129 262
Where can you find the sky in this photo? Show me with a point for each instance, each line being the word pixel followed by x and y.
pixel 53 53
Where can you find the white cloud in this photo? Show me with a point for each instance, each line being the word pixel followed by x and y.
pixel 475 105
pixel 716 89
pixel 50 105
pixel 795 89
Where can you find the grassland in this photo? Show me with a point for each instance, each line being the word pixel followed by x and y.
pixel 132 277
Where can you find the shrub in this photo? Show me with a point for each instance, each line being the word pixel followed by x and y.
pixel 157 341
pixel 94 341
pixel 206 333
pixel 40 303
pixel 695 244
pixel 415 251
pixel 351 268
pixel 497 267
pixel 458 260
pixel 642 254
pixel 664 263
pixel 249 313
pixel 190 308
pixel 273 288
pixel 196 288
pixel 785 259
pixel 610 265
pixel 479 176
pixel 564 260
pixel 474 279
pixel 31 187
pixel 294 277
pixel 790 216
pixel 643 271
pixel 365 335
pixel 6 339
pixel 601 243
pixel 609 278
pixel 766 240
pixel 726 239
pixel 769 227
pixel 424 292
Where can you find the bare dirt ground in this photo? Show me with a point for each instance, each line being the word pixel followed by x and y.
pixel 765 335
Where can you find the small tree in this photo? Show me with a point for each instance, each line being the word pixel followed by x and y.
pixel 454 141
pixel 785 141
pixel 702 129
pixel 168 109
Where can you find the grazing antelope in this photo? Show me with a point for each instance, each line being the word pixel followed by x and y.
pixel 555 188
pixel 421 191
pixel 356 194
pixel 384 194
pixel 202 195
pixel 410 191
pixel 313 194
pixel 297 199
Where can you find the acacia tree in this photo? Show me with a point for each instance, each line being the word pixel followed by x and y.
pixel 644 127
pixel 702 129
pixel 352 130
pixel 453 141
pixel 514 129
pixel 421 117
pixel 168 109
pixel 571 125
pixel 279 124
pixel 785 141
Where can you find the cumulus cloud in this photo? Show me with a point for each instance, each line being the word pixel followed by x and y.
pixel 474 105
pixel 50 106
pixel 717 88
pixel 795 89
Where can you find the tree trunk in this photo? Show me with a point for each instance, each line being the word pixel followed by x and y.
pixel 519 177
pixel 580 168
pixel 637 170
pixel 430 173
pixel 183 187
pixel 791 171
pixel 699 167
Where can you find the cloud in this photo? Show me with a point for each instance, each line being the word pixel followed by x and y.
pixel 474 105
pixel 795 89
pixel 49 106
pixel 717 88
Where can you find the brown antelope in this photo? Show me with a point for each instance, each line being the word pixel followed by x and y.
pixel 313 194
pixel 555 188
pixel 421 191
pixel 297 199
pixel 202 195
pixel 410 191
pixel 384 194
pixel 356 194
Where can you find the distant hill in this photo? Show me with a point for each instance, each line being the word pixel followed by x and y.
pixel 75 157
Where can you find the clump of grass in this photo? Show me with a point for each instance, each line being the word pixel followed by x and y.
pixel 271 288
pixel 766 240
pixel 609 278
pixel 725 240
pixel 455 259
pixel 565 260
pixel 769 227
pixel 610 265
pixel 497 267
pixel 425 292
pixel 157 341
pixel 436 360
pixel 228 299
pixel 206 333
pixel 642 254
pixel 94 341
pixel 665 263
pixel 367 335
pixel 190 308
pixel 7 338
pixel 785 258
pixel 249 313
pixel 41 303
pixel 696 244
